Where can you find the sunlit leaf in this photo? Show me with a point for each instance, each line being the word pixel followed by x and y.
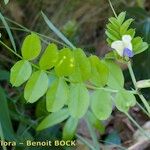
pixel 66 64
pixel 20 72
pixel 78 102
pixel 31 47
pixel 83 67
pixel 49 57
pixel 36 87
pixel 53 119
pixel 101 104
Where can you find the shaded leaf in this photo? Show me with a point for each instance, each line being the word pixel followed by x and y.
pixel 53 119
pixel 101 104
pixel 78 102
pixel 70 128
pixel 57 95
pixel 116 78
pixel 124 100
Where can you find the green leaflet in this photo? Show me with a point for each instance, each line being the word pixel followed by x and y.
pixel 53 119
pixel 124 100
pixel 57 95
pixel 78 101
pixel 96 122
pixel 100 73
pixel 65 65
pixel 124 27
pixel 83 67
pixel 20 73
pixel 49 57
pixel 116 78
pixel 70 128
pixel 31 47
pixel 101 104
pixel 36 86
pixel 121 17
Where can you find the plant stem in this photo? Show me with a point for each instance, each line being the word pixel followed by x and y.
pixel 110 3
pixel 145 102
pixel 85 142
pixel 145 111
pixel 93 134
pixel 132 74
pixel 137 125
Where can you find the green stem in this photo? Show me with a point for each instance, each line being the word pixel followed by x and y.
pixel 143 109
pixel 93 134
pixel 138 126
pixel 144 101
pixel 110 3
pixel 132 75
pixel 2 137
pixel 85 142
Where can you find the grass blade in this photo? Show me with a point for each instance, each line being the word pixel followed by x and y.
pixel 8 31
pixel 56 31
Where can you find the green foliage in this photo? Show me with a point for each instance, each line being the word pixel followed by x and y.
pixel 20 72
pixel 70 128
pixel 49 57
pixel 124 100
pixel 101 104
pixel 78 102
pixel 64 76
pixel 116 78
pixel 66 63
pixel 57 95
pixel 118 27
pixel 53 119
pixel 100 72
pixel 96 123
pixel 31 47
pixel 82 67
pixel 36 86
